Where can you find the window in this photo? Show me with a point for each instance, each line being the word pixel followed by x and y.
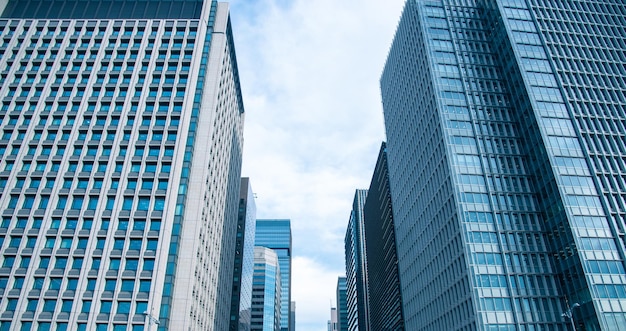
pixel 49 305
pixel 105 307
pixel 72 284
pixel 109 285
pixel 131 264
pixel 66 306
pixel 77 264
pixel 86 306
pixel 148 265
pixel 77 202
pixel 123 308
pixel 144 203
pixel 128 285
pixel 60 263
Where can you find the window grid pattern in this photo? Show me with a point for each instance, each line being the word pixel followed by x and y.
pixel 86 156
pixel 431 259
pixel 589 68
pixel 538 183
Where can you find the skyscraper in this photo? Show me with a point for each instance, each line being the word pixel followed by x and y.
pixel 244 259
pixel 356 272
pixel 276 234
pixel 342 305
pixel 504 124
pixel 120 162
pixel 266 290
pixel 383 282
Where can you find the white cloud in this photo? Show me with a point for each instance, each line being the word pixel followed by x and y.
pixel 312 291
pixel 309 72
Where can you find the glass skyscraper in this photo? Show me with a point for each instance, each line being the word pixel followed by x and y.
pixel 356 266
pixel 120 155
pixel 505 127
pixel 244 259
pixel 266 290
pixel 276 234
pixel 342 304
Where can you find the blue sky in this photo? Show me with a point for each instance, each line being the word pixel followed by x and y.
pixel 309 73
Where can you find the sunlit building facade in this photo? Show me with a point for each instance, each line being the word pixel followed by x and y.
pixel 505 123
pixel 120 158
pixel 266 290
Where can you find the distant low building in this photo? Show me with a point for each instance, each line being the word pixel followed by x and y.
pixel 342 304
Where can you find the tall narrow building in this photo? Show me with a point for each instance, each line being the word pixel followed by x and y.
pixel 266 290
pixel 332 322
pixel 240 308
pixel 120 158
pixel 276 234
pixel 383 282
pixel 505 123
pixel 356 270
pixel 342 304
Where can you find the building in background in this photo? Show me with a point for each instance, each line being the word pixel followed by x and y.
pixel 385 300
pixel 120 161
pixel 505 124
pixel 292 318
pixel 244 259
pixel 342 304
pixel 276 234
pixel 266 290
pixel 356 272
pixel 332 322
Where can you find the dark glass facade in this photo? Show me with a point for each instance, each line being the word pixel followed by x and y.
pixel 356 271
pixel 342 305
pixel 385 301
pixel 244 259
pixel 505 124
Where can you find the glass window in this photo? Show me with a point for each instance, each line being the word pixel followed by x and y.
pixel 109 285
pixel 72 283
pixel 55 283
pixel 123 308
pixel 49 305
pixel 128 285
pixel 66 306
pixel 131 264
pixel 105 307
pixel 86 306
pixel 144 203
pixel 148 265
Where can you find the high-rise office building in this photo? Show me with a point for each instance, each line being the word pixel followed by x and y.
pixel 266 290
pixel 505 123
pixel 385 301
pixel 356 272
pixel 276 234
pixel 342 305
pixel 244 260
pixel 120 155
